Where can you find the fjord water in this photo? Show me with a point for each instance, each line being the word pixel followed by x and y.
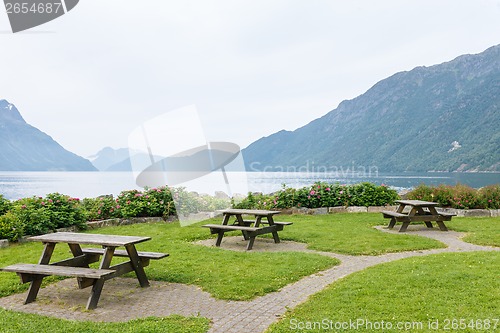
pixel 15 185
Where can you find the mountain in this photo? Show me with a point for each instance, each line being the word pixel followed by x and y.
pixel 108 156
pixel 443 118
pixel 109 159
pixel 25 148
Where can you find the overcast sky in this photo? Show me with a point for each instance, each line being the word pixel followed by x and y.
pixel 251 68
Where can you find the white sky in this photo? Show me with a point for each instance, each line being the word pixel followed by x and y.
pixel 250 67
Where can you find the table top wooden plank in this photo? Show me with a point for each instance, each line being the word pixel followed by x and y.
pixel 418 203
pixel 256 212
pixel 95 239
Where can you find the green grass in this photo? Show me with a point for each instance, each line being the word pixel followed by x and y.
pixel 425 288
pixel 224 274
pixel 351 234
pixel 421 290
pixel 17 322
pixel 480 230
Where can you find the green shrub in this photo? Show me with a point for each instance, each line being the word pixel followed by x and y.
pixel 322 194
pixel 421 192
pixel 156 202
pixel 465 197
pixel 65 211
pixel 101 208
pixel 34 217
pixel 5 205
pixel 42 215
pixel 10 227
pixel 490 196
pixel 458 196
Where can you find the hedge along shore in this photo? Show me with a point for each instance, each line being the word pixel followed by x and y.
pixel 289 211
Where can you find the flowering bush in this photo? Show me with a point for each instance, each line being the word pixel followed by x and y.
pixel 322 195
pixel 101 208
pixel 490 196
pixel 41 215
pixel 458 196
pixel 156 202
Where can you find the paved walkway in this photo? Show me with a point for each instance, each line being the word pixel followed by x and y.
pixel 65 300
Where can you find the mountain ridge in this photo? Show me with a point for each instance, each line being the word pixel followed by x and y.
pixel 406 122
pixel 25 148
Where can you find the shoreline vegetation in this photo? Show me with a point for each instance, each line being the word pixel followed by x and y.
pixel 39 215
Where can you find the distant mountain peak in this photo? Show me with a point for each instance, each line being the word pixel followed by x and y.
pixel 26 148
pixel 9 112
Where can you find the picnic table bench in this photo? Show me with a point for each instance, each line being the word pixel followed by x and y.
pixel 78 265
pixel 263 223
pixel 420 211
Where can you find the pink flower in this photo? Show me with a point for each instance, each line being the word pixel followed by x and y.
pixel 99 212
pixel 117 206
pixel 341 192
pixel 327 189
pixel 23 206
pixel 312 192
pixel 308 197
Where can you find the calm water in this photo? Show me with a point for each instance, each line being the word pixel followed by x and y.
pixel 15 185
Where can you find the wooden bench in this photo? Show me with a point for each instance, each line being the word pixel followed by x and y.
pixel 144 256
pixel 28 272
pixel 249 233
pixel 421 215
pixel 390 214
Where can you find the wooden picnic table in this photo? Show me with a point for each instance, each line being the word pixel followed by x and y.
pixel 78 265
pixel 262 223
pixel 419 211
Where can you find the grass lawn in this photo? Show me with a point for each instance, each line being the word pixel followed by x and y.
pixel 413 291
pixel 441 286
pixel 351 233
pixel 17 322
pixel 224 274
pixel 480 230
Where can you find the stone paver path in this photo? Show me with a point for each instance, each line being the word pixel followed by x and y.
pixel 65 300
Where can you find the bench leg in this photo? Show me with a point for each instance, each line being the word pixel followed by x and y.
pixel 392 223
pixel 37 281
pixel 404 226
pixel 276 237
pixel 441 225
pixel 137 265
pixel 219 238
pixel 95 294
pixel 250 243
pixel 428 224
pixel 33 290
